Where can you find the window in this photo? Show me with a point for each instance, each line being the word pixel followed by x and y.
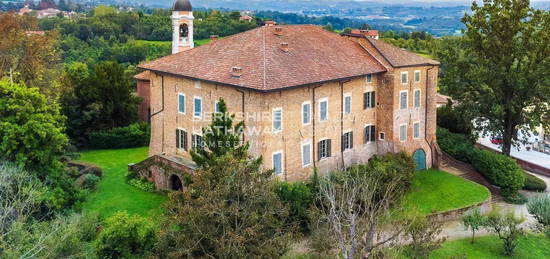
pixel 347 141
pixel 347 103
pixel 403 102
pixel 370 133
pixel 369 79
pixel 417 76
pixel 324 147
pixel 382 135
pixel 403 132
pixel 369 100
pixel 404 77
pixel 197 141
pixel 277 118
pixel 217 106
pixel 323 109
pixel 181 139
pixel 306 154
pixel 197 107
pixel 181 103
pixel 198 84
pixel 416 130
pixel 277 159
pixel 306 113
pixel 417 98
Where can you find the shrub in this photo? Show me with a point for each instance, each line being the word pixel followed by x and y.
pixel 125 236
pixel 539 207
pixel 134 135
pixel 298 197
pixel 533 183
pixel 498 169
pixel 507 227
pixel 454 121
pixel 142 184
pixel 90 181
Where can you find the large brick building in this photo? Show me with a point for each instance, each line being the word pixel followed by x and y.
pixel 312 99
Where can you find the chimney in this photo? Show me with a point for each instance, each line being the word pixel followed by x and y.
pixel 236 72
pixel 214 37
pixel 284 47
pixel 279 31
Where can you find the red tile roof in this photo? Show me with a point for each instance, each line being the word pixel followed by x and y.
pixel 398 57
pixel 144 76
pixel 314 55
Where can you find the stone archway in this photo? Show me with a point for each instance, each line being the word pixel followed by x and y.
pixel 419 157
pixel 175 183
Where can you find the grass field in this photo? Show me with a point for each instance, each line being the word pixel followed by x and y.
pixel 489 247
pixel 437 191
pixel 113 193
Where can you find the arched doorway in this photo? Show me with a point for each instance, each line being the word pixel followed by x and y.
pixel 175 183
pixel 184 30
pixel 419 158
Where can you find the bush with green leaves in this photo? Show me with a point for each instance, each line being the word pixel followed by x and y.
pixel 142 184
pixel 91 181
pixel 453 120
pixel 299 198
pixel 533 183
pixel 134 135
pixel 507 227
pixel 498 169
pixel 125 236
pixel 539 207
pixel 473 220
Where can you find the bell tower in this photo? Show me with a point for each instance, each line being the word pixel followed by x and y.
pixel 182 26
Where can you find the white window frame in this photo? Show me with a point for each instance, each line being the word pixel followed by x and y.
pixel 309 113
pixel 195 107
pixel 307 143
pixel 279 152
pixel 178 144
pixel 350 145
pixel 414 130
pixel 407 78
pixel 401 101
pixel 184 101
pixel 372 94
pixel 419 98
pixel 198 84
pixel 323 158
pixel 368 79
pixel 401 139
pixel 347 95
pixel 216 106
pixel 419 76
pixel 382 136
pixel 320 116
pixel 273 130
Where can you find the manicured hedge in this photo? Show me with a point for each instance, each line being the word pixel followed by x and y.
pixel 134 135
pixel 533 183
pixel 498 169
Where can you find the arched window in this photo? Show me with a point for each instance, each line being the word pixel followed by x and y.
pixel 184 30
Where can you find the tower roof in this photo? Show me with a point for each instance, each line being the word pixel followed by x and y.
pixel 182 5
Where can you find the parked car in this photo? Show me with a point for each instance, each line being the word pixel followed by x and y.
pixel 496 141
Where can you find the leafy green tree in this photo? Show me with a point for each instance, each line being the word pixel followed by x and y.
pixel 220 138
pixel 504 71
pixel 229 211
pixel 31 129
pixel 507 227
pixel 473 220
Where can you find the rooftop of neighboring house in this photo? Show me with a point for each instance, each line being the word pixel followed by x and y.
pixel 276 57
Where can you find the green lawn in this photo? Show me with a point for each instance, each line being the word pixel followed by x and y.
pixel 487 247
pixel 113 193
pixel 438 191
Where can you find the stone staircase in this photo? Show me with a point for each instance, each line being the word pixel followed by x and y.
pixel 466 171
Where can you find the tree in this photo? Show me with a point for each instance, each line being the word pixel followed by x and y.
pixel 424 236
pixel 507 228
pixel 31 129
pixel 361 201
pixel 504 85
pixel 539 207
pixel 230 210
pixel 473 220
pixel 220 138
